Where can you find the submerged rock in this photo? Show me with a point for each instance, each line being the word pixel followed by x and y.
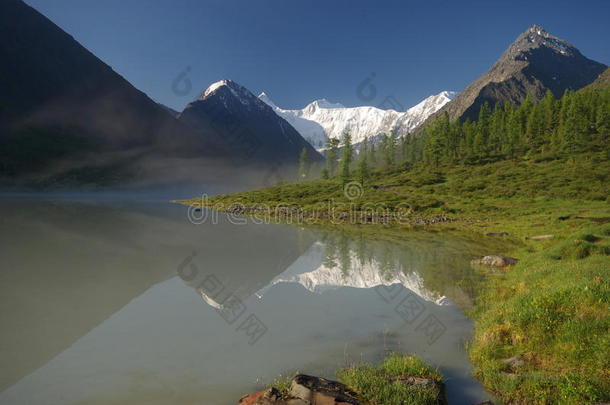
pixel 496 261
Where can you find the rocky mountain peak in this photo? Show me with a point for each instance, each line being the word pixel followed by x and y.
pixel 247 125
pixel 535 62
pixel 228 87
pixel 537 37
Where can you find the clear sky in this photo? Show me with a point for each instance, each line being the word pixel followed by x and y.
pixel 306 50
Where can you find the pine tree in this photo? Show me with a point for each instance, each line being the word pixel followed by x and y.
pixel 602 117
pixel 578 121
pixel 332 152
pixel 549 112
pixel 434 146
pixel 388 148
pixel 363 166
pixel 497 126
pixel 373 155
pixel 346 157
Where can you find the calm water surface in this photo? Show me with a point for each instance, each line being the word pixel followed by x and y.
pixel 123 302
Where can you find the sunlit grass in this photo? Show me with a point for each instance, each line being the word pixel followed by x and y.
pixel 378 385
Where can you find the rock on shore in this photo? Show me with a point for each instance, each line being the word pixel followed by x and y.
pixel 496 261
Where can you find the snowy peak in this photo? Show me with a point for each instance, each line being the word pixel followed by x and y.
pixel 433 102
pixel 212 88
pixel 248 128
pixel 229 89
pixel 323 103
pixel 321 119
pixel 265 98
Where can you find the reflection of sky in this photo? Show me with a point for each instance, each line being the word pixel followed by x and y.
pixel 145 352
pixel 165 345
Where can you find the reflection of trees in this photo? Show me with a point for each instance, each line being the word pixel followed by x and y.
pixel 387 261
pixel 345 261
pixel 330 248
pixel 442 260
pixel 360 247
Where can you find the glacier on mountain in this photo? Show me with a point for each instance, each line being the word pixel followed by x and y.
pixel 321 120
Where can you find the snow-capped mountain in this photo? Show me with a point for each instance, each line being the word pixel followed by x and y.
pixel 321 119
pixel 245 125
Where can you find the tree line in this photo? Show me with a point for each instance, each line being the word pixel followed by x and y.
pixel 576 122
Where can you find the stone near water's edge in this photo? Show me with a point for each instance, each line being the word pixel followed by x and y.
pixel 496 261
pixel 311 390
pixel 317 390
pixel 427 383
pixel 496 234
pixel 270 396
pixel 514 362
pixel 540 237
pixel 305 390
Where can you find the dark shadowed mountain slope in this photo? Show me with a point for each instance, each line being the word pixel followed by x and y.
pixel 246 126
pixel 170 110
pixel 602 81
pixel 57 99
pixel 536 62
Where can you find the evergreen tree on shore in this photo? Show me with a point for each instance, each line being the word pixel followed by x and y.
pixel 332 152
pixel 576 122
pixel 346 156
pixel 363 165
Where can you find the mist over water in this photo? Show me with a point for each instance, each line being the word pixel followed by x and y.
pixel 109 300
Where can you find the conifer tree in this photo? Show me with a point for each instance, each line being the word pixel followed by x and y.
pixel 332 151
pixel 373 155
pixel 363 167
pixel 346 157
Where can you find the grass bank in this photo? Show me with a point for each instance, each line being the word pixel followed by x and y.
pixel 550 312
pixel 399 380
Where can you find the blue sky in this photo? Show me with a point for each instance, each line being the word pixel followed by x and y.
pixel 305 50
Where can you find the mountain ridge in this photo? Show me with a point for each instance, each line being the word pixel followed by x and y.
pixel 63 110
pixel 535 62
pixel 321 119
pixel 245 125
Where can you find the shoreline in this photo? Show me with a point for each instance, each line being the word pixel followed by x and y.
pixel 511 373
